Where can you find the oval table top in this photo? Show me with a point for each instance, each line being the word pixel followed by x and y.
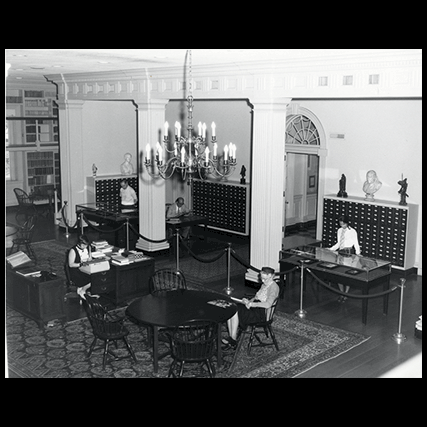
pixel 173 308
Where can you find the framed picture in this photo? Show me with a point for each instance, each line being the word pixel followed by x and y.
pixel 311 181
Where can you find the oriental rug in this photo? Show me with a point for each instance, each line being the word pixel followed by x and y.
pixel 60 351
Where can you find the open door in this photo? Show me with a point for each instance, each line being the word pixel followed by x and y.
pixel 301 191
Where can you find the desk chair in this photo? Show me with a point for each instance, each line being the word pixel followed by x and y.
pixel 167 280
pixel 24 238
pixel 106 328
pixel 25 203
pixel 253 333
pixel 193 342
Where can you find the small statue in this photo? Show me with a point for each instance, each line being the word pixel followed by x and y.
pixel 342 192
pixel 94 169
pixel 243 174
pixel 126 168
pixel 403 187
pixel 371 185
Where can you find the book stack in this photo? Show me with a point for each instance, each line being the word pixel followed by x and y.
pixel 29 271
pixel 419 327
pixel 119 259
pixel 102 246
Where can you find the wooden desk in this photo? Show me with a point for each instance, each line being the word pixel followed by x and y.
pixel 40 301
pixel 371 272
pixel 114 215
pixel 186 221
pixel 173 308
pixel 124 282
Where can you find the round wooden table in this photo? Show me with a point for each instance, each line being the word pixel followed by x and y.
pixel 173 308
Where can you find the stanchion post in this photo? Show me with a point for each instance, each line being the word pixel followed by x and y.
pixel 177 249
pixel 398 336
pixel 67 234
pixel 301 313
pixel 228 290
pixel 127 234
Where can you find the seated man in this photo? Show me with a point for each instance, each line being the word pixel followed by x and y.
pixel 176 210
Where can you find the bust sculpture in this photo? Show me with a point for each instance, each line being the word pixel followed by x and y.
pixel 371 185
pixel 126 168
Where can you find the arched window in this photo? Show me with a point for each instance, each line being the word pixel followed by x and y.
pixel 301 130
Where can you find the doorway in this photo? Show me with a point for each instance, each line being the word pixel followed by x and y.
pixel 301 194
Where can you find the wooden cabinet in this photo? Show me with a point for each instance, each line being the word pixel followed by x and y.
pixel 226 205
pixel 122 283
pixel 41 301
pixel 106 189
pixel 385 229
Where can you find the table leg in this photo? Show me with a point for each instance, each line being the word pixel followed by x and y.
pixel 365 305
pixel 219 349
pixel 155 349
pixel 386 287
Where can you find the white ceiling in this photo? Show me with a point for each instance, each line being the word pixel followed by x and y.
pixel 36 63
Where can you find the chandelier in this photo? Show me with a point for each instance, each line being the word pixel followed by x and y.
pixel 190 155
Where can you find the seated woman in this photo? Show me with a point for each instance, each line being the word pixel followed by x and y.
pixel 77 256
pixel 254 310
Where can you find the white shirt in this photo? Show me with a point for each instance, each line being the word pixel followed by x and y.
pixel 350 240
pixel 128 196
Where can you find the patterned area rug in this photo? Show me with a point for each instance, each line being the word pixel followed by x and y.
pixel 60 351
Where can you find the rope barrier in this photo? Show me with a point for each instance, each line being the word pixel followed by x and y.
pixel 146 238
pixel 377 295
pixel 197 258
pixel 73 227
pixel 245 264
pixel 99 230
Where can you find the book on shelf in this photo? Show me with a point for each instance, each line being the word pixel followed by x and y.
pixel 18 259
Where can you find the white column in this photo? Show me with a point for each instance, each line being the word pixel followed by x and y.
pixel 71 155
pixel 268 171
pixel 151 118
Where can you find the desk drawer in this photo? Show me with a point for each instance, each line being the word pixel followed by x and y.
pixel 103 282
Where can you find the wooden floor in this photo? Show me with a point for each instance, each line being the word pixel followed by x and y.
pixel 369 360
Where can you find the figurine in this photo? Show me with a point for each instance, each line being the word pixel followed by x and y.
pixel 126 168
pixel 342 192
pixel 243 174
pixel 94 169
pixel 403 187
pixel 371 185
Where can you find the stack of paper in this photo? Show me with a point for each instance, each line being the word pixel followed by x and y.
pixel 119 259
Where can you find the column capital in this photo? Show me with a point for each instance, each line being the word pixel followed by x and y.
pixel 150 104
pixel 270 103
pixel 76 104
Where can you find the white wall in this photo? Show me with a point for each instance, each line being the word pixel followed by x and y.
pixel 233 121
pixel 109 131
pixel 384 135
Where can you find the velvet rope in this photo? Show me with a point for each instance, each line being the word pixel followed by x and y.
pixel 146 238
pixel 65 220
pixel 377 295
pixel 197 258
pixel 245 264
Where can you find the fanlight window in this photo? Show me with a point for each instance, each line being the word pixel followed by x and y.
pixel 301 130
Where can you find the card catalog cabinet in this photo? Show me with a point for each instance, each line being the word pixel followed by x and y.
pixel 226 205
pixel 386 230
pixel 106 189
